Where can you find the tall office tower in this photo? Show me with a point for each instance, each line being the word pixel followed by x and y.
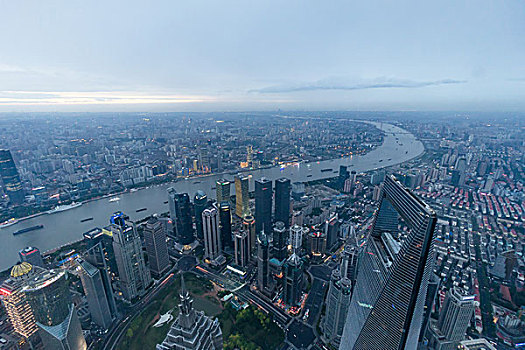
pixel 280 251
pixel 263 258
pixel 95 292
pixel 156 247
pixel 180 214
pixel 388 299
pixel 242 248
pixel 15 302
pixel 222 188
pixel 331 228
pixel 249 155
pixel 99 250
pixel 263 205
pixel 296 238
pixel 454 319
pixel 212 236
pixel 31 255
pixel 10 178
pixel 225 221
pixel 248 225
pixel 192 330
pixel 349 262
pixel 242 196
pixel 200 202
pixel 432 289
pixel 134 276
pixel 343 175
pixel 293 280
pixel 316 243
pixel 55 315
pixel 282 201
pixel 337 302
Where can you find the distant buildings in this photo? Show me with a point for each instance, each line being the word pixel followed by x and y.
pixel 192 330
pixel 282 201
pixel 10 177
pixel 134 276
pixel 263 205
pixel 31 255
pixel 242 195
pixel 212 235
pixel 156 247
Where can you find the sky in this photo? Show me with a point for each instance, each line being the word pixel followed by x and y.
pixel 201 55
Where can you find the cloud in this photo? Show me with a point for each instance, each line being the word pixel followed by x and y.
pixel 337 84
pixel 28 98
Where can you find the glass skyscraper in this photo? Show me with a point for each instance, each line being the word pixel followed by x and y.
pixel 10 178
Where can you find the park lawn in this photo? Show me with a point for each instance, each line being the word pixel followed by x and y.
pixel 140 335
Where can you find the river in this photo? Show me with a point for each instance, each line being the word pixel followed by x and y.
pixel 64 227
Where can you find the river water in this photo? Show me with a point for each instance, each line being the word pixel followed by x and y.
pixel 64 227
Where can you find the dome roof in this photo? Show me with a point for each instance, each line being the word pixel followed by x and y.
pixel 21 269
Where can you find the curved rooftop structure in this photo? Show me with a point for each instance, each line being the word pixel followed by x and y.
pixel 21 269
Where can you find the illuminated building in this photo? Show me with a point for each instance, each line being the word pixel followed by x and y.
pixel 192 330
pixel 282 201
pixel 10 178
pixel 13 298
pixel 134 276
pixel 316 243
pixel 31 255
pixel 222 188
pixel 156 247
pixel 55 315
pixel 263 205
pixel 242 195
pixel 293 280
pixel 388 300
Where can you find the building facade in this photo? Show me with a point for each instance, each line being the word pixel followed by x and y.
pixel 156 247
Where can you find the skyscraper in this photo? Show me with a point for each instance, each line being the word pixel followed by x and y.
pixel 192 330
pixel 180 214
pixel 156 247
pixel 31 255
pixel 225 221
pixel 263 205
pixel 242 248
pixel 200 202
pixel 55 315
pixel 331 230
pixel 134 276
pixel 10 178
pixel 280 251
pixel 282 201
pixel 337 302
pixel 296 238
pixel 248 225
pixel 15 302
pixel 387 304
pixel 212 236
pixel 242 195
pixel 222 188
pixel 263 258
pixel 95 292
pixel 454 319
pixel 343 175
pixel 293 280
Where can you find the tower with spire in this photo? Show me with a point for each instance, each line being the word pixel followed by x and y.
pixel 192 329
